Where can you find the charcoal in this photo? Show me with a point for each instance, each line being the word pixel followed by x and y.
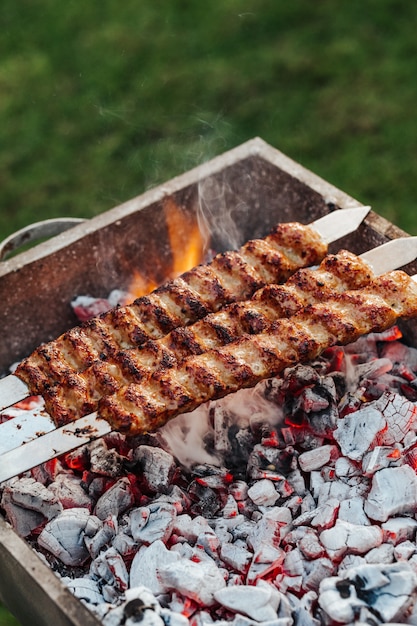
pixel 236 557
pixel 323 423
pixel 383 554
pixel 333 489
pixel 242 529
pixel 270 528
pixel 294 504
pixel 326 514
pixel 222 420
pixel 308 503
pixel 94 485
pixel 312 401
pixel 399 353
pixel 85 589
pixel 266 459
pixel 399 529
pixel 352 510
pixel 222 532
pixel 241 620
pixel 103 460
pixel 381 457
pixel 176 496
pixel 387 590
pixel 205 500
pixel 157 467
pixel 230 508
pixel 315 459
pixel 349 561
pixel 125 545
pixel 64 535
pixel 317 483
pixel 303 612
pixel 399 414
pixel 294 563
pixel 183 549
pixel 68 490
pixel 241 444
pixel 286 582
pixel 197 581
pixel 103 537
pixel 317 571
pixel 47 472
pixel 250 500
pixel 263 493
pixel 239 490
pixel 310 546
pixel 372 369
pixel 257 603
pixel 345 467
pixel 24 521
pixel 393 492
pixel 156 521
pixel 404 550
pixel 356 539
pixel 295 535
pixel 110 569
pixel 410 451
pixel 339 600
pixel 356 432
pixel 115 500
pixel 29 494
pixel 145 563
pixel 79 458
pixel 203 618
pixel 191 528
pixel 139 605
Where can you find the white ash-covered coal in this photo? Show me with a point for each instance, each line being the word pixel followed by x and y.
pixel 293 503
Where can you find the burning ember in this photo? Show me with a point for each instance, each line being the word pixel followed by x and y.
pixel 292 503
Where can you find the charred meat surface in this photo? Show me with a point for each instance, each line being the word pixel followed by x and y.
pixel 337 273
pixel 139 408
pixel 229 277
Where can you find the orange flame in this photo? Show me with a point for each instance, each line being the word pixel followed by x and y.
pixel 187 243
pixel 186 239
pixel 140 285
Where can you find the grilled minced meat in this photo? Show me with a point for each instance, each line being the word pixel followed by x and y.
pixel 141 408
pixel 229 277
pixel 337 273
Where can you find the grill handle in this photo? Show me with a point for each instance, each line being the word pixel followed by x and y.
pixel 38 230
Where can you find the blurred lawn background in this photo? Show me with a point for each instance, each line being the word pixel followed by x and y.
pixel 100 101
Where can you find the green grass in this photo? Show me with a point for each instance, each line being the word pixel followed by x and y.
pixel 100 101
pixel 6 619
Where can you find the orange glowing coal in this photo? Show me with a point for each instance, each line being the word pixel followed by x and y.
pixel 187 242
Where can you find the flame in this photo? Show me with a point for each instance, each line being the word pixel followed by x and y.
pixel 187 240
pixel 140 285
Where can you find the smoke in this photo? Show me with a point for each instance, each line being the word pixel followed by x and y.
pixel 186 436
pixel 216 217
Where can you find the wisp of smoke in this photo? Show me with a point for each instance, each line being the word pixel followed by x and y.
pixel 185 436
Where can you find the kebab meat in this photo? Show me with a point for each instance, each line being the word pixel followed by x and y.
pixel 337 273
pixel 229 277
pixel 341 319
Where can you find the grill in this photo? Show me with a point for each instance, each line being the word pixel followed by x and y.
pixel 254 185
